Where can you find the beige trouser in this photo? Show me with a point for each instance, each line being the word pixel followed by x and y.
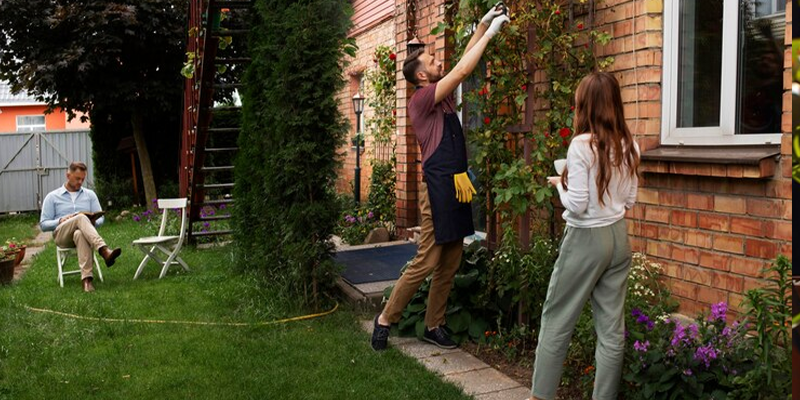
pixel 79 232
pixel 443 260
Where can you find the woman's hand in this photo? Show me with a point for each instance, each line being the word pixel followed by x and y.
pixel 554 180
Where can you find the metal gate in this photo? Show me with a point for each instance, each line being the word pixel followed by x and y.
pixel 34 163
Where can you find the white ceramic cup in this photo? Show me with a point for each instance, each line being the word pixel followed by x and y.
pixel 560 164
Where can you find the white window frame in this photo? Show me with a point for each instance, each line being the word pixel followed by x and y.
pixel 31 128
pixel 724 134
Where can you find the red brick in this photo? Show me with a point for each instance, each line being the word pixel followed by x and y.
pixel 786 250
pixel 709 295
pixel 714 222
pixel 647 196
pixel 735 302
pixel 658 249
pixel 747 266
pixel 697 275
pixel 750 283
pixel 714 260
pixel 672 270
pixel 761 248
pixel 787 209
pixel 656 214
pixel 685 254
pixel 697 239
pixel 781 230
pixel 685 218
pixel 747 226
pixel 672 199
pixel 764 208
pixel 683 289
pixel 700 201
pixel 728 243
pixel 729 282
pixel 649 230
pixel 670 234
pixel 729 204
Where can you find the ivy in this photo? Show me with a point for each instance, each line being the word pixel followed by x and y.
pixel 562 51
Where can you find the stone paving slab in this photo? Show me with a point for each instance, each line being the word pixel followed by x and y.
pixel 34 248
pixel 482 381
pixel 519 393
pixel 453 363
pixel 472 375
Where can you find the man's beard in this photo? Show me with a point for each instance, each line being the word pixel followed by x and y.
pixel 434 78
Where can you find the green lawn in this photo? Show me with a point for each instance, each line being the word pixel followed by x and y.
pixel 44 356
pixel 19 226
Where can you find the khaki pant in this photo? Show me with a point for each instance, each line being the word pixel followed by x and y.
pixel 593 264
pixel 79 232
pixel 442 260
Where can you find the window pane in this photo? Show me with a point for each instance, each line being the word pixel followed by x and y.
pixel 700 62
pixel 760 88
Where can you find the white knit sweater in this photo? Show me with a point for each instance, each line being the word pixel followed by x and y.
pixel 583 210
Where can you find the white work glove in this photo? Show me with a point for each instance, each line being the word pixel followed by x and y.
pixel 496 25
pixel 493 12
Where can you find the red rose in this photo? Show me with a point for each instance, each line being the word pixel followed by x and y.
pixel 580 26
pixel 572 108
pixel 392 56
pixel 565 142
pixel 547 135
pixel 558 12
pixel 394 112
pixel 564 132
pixel 524 87
pixel 486 120
pixel 375 60
pixel 586 45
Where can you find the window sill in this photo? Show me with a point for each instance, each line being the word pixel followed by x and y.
pixel 732 162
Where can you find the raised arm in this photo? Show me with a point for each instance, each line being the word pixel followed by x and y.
pixel 468 62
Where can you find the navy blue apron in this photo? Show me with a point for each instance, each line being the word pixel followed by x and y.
pixel 452 220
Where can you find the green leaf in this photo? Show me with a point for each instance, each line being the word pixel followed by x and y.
pixel 459 322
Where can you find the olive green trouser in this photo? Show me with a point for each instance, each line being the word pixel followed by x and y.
pixel 593 263
pixel 441 259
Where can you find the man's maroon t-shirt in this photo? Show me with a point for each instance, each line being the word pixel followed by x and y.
pixel 427 118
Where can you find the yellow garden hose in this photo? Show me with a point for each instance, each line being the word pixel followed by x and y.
pixel 157 321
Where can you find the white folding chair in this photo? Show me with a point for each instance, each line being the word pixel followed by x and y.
pixel 62 253
pixel 170 246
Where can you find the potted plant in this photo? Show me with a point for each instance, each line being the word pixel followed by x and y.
pixel 6 268
pixel 17 248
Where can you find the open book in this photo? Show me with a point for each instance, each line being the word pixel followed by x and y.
pixel 93 216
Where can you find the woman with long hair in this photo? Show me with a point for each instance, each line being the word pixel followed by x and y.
pixel 596 188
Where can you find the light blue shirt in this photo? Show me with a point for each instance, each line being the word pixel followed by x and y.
pixel 59 204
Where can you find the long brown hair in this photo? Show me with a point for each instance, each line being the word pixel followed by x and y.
pixel 599 111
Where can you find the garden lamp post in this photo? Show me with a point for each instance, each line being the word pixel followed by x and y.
pixel 358 107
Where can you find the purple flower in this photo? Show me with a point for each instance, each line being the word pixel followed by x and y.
pixel 370 214
pixel 718 311
pixel 639 346
pixel 678 335
pixel 222 206
pixel 726 331
pixel 137 218
pixel 692 331
pixel 705 354
pixel 627 333
pixel 687 372
pixel 206 224
pixel 636 312
pixel 650 325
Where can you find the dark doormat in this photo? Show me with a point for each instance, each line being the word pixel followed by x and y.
pixel 375 264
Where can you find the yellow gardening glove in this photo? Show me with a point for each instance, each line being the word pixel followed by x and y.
pixel 464 189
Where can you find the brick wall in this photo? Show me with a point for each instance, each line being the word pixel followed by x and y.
pixel 711 227
pixel 428 14
pixel 382 34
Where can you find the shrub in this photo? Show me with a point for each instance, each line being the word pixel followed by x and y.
pixel 291 128
pixel 355 225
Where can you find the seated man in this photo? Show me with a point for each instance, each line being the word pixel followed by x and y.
pixel 62 213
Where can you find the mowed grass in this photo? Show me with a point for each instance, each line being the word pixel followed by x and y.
pixel 45 356
pixel 19 226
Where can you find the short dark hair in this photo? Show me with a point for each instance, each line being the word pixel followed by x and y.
pixel 77 165
pixel 411 66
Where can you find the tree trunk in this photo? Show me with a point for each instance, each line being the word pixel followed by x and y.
pixel 144 157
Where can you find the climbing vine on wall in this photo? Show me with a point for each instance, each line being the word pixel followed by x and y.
pixel 562 53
